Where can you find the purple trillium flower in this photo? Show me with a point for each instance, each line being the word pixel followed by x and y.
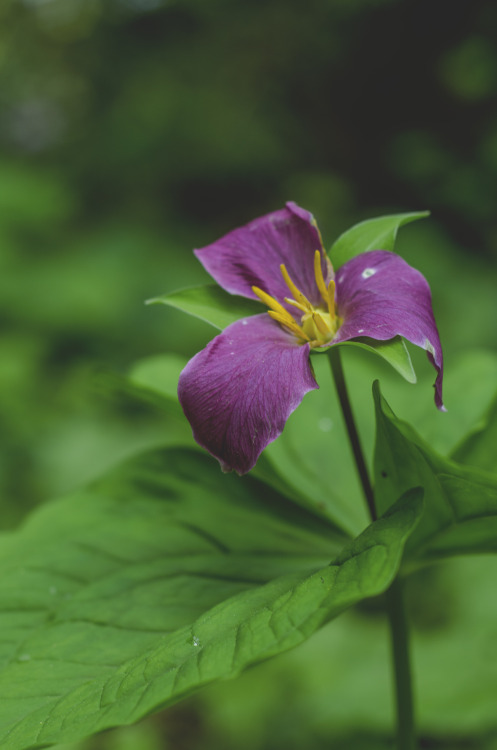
pixel 238 392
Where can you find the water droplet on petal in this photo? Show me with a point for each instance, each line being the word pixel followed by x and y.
pixel 244 322
pixel 368 272
pixel 360 330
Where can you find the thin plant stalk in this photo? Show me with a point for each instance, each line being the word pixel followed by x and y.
pixel 399 632
pixel 399 635
pixel 355 443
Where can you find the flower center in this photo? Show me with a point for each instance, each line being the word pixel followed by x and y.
pixel 317 325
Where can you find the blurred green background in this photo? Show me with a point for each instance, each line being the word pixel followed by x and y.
pixel 132 131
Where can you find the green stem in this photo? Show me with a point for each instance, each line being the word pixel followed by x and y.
pixel 355 443
pixel 394 600
pixel 401 665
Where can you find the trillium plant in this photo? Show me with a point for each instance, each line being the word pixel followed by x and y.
pixel 242 536
pixel 240 390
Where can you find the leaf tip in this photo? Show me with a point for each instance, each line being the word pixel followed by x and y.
pixel 376 389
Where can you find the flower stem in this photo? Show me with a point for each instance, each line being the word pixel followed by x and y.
pixel 399 634
pixel 355 444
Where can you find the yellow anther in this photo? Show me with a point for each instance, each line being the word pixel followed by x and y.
pixel 330 298
pixel 269 301
pixel 297 294
pixel 318 273
pixel 320 324
pixel 297 304
pixel 289 322
pixel 314 324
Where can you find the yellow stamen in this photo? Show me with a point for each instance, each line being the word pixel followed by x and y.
pixel 289 322
pixel 319 323
pixel 296 304
pixel 269 301
pixel 330 298
pixel 298 296
pixel 314 325
pixel 318 273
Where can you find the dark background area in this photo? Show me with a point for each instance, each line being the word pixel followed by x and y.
pixel 132 131
pixel 207 113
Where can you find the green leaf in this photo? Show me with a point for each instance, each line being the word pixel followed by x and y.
pixel 469 389
pixel 373 234
pixel 162 578
pixel 158 374
pixel 313 456
pixel 153 381
pixel 211 304
pixel 479 447
pixel 453 611
pixel 461 502
pixel 393 351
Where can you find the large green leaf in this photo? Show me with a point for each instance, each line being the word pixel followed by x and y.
pixel 469 389
pixel 162 578
pixel 313 456
pixel 453 611
pixel 211 304
pixel 479 448
pixel 373 234
pixel 461 502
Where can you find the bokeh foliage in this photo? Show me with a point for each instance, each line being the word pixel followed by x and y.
pixel 134 130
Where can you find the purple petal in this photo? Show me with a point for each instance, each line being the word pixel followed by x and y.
pixel 251 255
pixel 238 392
pixel 380 296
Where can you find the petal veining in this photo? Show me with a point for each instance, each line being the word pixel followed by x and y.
pixel 380 296
pixel 238 392
pixel 252 255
